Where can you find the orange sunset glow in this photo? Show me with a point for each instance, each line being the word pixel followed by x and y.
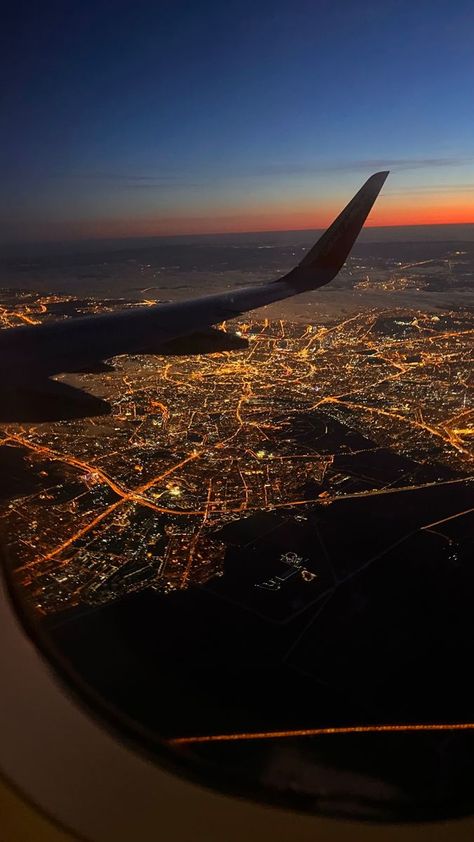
pixel 391 210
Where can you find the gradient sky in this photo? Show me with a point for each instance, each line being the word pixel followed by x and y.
pixel 126 119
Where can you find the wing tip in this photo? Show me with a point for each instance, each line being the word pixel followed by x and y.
pixel 331 250
pixel 378 177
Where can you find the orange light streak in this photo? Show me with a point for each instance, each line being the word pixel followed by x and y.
pixel 319 732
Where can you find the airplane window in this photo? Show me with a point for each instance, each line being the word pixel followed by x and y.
pixel 235 436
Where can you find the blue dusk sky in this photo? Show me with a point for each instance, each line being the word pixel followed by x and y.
pixel 129 119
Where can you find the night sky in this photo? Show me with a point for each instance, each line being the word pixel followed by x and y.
pixel 130 118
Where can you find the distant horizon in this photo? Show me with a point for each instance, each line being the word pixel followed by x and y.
pixel 266 220
pixel 459 232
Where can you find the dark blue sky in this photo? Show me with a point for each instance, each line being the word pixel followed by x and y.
pixel 127 118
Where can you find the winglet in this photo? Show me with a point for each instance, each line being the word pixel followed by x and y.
pixel 328 255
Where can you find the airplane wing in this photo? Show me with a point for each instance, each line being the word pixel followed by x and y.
pixel 34 353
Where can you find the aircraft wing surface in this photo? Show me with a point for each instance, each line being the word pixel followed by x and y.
pixel 29 355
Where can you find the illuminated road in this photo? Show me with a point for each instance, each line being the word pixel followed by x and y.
pixel 217 437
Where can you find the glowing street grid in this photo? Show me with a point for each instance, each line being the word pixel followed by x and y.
pixel 136 499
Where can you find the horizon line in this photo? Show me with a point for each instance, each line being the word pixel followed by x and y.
pixel 97 239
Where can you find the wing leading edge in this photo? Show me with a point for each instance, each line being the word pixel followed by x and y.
pixel 329 254
pixel 40 351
